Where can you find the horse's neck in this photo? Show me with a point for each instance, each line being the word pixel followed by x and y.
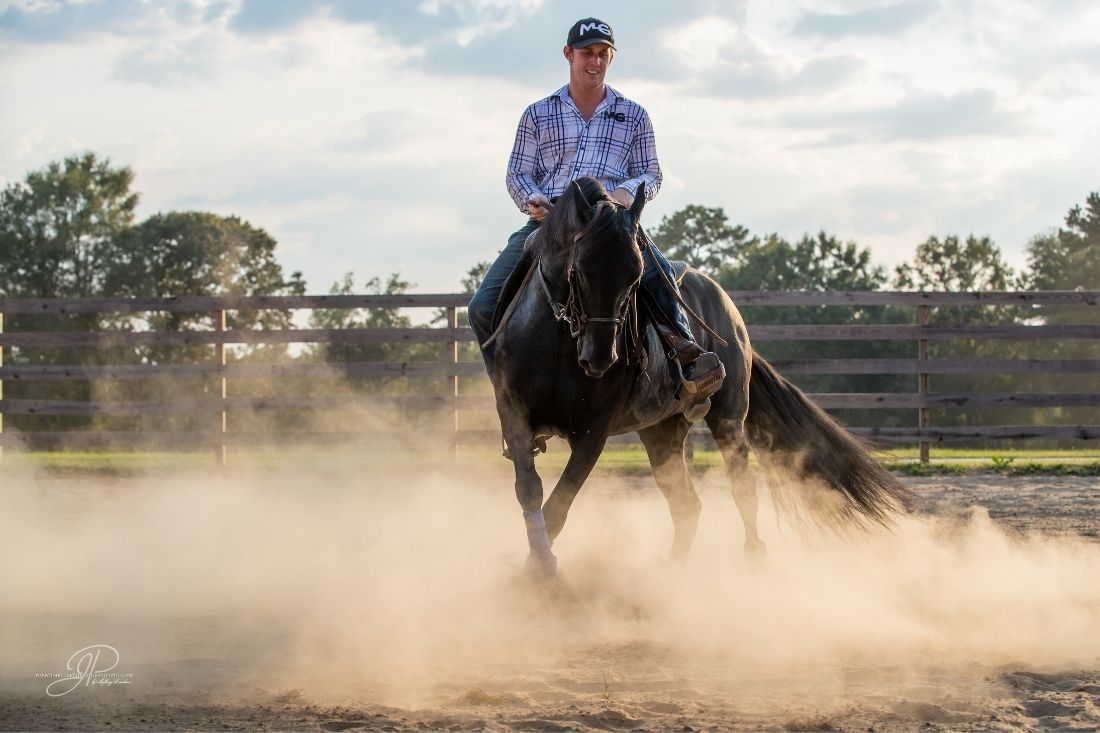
pixel 554 267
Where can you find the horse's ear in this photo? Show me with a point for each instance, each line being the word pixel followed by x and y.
pixel 584 209
pixel 639 202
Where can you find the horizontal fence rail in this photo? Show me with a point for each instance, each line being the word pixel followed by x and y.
pixel 216 372
pixel 254 404
pixel 208 304
pixel 437 335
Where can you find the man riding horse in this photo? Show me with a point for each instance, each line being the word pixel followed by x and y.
pixel 589 265
pixel 586 128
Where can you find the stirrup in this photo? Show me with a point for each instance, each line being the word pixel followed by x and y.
pixel 707 378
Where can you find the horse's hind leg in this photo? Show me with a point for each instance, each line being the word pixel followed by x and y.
pixel 729 434
pixel 664 442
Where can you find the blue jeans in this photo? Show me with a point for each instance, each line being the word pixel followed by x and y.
pixel 655 285
pixel 484 303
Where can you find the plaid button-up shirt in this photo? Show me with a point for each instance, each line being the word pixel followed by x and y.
pixel 554 145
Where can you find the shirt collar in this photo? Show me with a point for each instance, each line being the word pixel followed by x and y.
pixel 610 95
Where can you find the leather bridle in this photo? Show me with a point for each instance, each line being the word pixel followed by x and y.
pixel 572 311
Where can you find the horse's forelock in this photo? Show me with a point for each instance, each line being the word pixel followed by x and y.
pixel 563 222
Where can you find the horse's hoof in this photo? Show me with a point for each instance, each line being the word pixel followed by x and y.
pixel 755 552
pixel 542 565
pixel 679 555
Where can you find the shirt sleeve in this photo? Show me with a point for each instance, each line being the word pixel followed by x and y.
pixel 642 165
pixel 520 179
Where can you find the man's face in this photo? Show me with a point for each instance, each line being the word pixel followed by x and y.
pixel 588 65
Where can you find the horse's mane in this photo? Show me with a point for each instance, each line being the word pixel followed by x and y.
pixel 563 222
pixel 593 190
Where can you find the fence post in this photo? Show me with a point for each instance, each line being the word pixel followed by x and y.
pixel 219 360
pixel 452 390
pixel 923 421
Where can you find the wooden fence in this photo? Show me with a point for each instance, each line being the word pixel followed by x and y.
pixel 219 371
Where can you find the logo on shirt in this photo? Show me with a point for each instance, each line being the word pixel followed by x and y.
pixel 617 116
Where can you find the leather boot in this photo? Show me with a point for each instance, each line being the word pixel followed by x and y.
pixel 701 372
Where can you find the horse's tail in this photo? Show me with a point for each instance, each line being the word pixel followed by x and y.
pixel 792 435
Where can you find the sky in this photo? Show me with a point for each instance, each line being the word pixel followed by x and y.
pixel 371 136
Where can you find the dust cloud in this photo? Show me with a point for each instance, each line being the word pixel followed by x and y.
pixel 341 583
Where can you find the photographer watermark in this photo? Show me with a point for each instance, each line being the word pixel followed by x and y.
pixel 91 666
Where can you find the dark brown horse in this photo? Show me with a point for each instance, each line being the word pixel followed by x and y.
pixel 564 366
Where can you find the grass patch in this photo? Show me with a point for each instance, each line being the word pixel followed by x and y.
pixel 1054 469
pixel 108 463
pixel 615 461
pixel 909 468
pixel 1032 468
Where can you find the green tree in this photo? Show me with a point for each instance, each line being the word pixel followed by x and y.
pixel 953 265
pixel 469 283
pixel 67 231
pixel 57 232
pixel 58 226
pixel 1067 259
pixel 338 354
pixel 472 280
pixel 1070 257
pixel 364 318
pixel 196 253
pixel 701 236
pixel 821 262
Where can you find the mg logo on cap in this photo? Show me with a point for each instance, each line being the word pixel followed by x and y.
pixel 588 31
pixel 601 27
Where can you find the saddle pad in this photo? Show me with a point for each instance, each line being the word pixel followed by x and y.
pixel 514 282
pixel 679 269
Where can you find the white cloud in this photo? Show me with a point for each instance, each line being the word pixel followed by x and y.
pixel 889 20
pixel 373 136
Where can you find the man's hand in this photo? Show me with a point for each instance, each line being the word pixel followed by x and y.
pixel 538 206
pixel 623 196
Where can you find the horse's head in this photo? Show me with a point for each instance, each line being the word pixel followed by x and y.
pixel 604 269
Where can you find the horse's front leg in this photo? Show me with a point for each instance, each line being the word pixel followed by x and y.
pixel 583 455
pixel 519 438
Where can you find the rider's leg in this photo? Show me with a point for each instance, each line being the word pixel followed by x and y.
pixel 702 370
pixel 655 285
pixel 484 303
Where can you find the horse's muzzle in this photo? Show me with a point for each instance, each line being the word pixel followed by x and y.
pixel 597 350
pixel 595 367
pixel 591 371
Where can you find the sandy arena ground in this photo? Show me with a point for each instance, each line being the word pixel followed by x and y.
pixel 345 600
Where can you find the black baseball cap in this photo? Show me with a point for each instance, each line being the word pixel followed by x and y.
pixel 588 31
